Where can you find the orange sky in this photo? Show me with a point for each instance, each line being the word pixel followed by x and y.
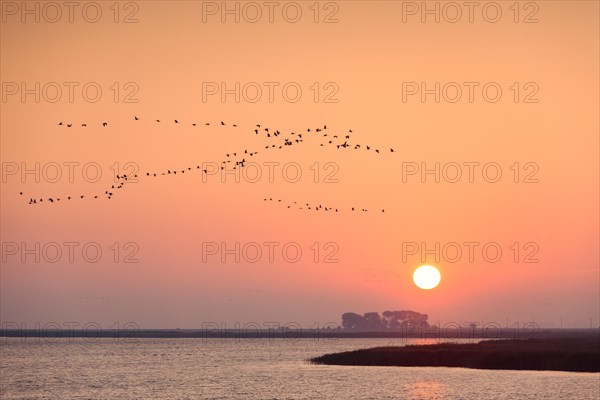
pixel 170 54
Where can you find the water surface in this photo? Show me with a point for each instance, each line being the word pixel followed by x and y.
pixel 252 369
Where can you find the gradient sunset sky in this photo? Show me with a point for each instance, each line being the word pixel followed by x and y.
pixel 175 48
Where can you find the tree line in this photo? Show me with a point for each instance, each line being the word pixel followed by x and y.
pixel 389 320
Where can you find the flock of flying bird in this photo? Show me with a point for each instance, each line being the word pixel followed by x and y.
pixel 237 159
pixel 315 207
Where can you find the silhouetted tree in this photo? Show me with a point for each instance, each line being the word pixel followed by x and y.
pixel 389 320
pixel 352 321
pixel 373 321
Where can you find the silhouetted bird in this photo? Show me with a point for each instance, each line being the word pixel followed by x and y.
pixel 136 118
pixel 69 125
pixel 104 123
pixel 176 121
pixel 222 123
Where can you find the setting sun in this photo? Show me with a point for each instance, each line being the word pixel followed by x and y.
pixel 426 277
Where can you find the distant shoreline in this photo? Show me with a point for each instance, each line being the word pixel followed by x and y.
pixel 323 334
pixel 571 354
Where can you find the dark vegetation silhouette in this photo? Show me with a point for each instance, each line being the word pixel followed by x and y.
pixel 372 321
pixel 577 354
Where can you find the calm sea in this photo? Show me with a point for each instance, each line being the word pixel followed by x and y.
pixel 252 369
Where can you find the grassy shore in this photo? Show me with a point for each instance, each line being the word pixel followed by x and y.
pixel 561 354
